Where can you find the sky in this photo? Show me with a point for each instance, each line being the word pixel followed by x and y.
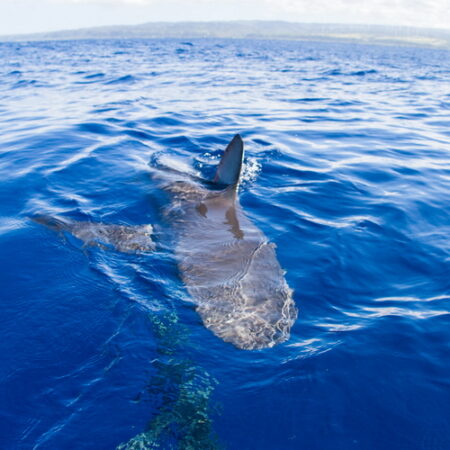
pixel 30 16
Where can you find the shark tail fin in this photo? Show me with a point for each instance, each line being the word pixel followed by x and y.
pixel 229 169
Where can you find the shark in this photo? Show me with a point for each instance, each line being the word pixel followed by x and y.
pixel 227 264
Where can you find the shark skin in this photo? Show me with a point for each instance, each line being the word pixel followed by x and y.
pixel 227 264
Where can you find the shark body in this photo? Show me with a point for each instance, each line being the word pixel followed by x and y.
pixel 227 264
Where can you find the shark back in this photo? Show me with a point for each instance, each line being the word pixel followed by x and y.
pixel 227 264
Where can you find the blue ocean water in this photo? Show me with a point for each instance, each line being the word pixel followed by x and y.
pixel 347 171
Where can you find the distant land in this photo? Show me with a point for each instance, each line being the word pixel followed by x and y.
pixel 370 34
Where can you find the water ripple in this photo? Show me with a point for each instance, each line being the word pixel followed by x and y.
pixel 347 171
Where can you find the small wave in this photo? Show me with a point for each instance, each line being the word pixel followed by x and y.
pixel 361 73
pixel 11 225
pixel 332 72
pixel 418 314
pixel 27 83
pixel 97 128
pixel 94 75
pixel 166 121
pixel 308 99
pixel 126 79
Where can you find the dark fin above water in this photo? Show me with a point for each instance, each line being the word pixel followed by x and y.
pixel 229 169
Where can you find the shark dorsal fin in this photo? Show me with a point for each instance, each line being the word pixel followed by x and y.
pixel 230 165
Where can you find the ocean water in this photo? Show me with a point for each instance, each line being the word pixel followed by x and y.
pixel 347 171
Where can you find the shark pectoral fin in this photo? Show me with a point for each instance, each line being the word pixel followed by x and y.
pixel 54 223
pixel 124 238
pixel 229 169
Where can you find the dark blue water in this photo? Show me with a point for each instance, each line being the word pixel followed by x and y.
pixel 347 170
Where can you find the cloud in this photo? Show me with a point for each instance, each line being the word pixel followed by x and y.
pixel 110 2
pixel 433 13
pixel 57 14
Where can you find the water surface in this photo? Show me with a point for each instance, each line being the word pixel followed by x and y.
pixel 347 171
